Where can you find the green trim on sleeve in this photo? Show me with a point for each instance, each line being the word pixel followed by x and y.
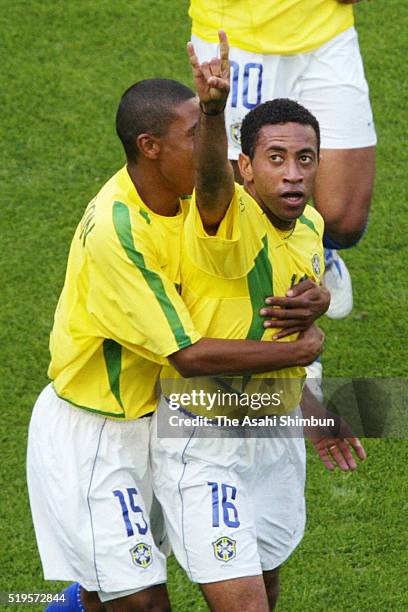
pixel 309 224
pixel 112 351
pixel 121 222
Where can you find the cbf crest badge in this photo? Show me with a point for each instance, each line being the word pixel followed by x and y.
pixel 225 549
pixel 142 555
pixel 235 130
pixel 317 269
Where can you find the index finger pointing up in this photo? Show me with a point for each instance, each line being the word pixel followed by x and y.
pixel 224 47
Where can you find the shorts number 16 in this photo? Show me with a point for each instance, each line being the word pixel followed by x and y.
pixel 229 511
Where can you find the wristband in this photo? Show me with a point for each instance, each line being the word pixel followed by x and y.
pixel 212 114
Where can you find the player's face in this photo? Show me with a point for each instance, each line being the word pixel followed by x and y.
pixel 282 172
pixel 176 148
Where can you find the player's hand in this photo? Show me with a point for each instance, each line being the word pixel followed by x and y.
pixel 302 305
pixel 212 79
pixel 311 343
pixel 337 452
pixel 333 439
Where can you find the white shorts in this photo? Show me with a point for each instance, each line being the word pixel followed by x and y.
pixel 328 81
pixel 233 507
pixel 90 493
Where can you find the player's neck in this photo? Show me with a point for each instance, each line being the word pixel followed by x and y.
pixel 276 222
pixel 156 195
pixel 280 224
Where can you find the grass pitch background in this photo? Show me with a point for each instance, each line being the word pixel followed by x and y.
pixel 64 66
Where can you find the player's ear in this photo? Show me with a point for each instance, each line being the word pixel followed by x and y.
pixel 148 145
pixel 245 167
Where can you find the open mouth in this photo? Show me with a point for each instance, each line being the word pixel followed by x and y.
pixel 293 197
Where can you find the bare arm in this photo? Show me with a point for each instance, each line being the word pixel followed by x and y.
pixel 302 305
pixel 211 356
pixel 214 177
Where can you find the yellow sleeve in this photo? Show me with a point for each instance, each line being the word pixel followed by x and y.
pixel 314 219
pixel 130 296
pixel 320 227
pixel 231 252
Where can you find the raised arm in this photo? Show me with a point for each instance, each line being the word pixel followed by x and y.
pixel 214 174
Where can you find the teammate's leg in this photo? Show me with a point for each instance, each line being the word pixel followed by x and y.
pixel 278 493
pixel 237 595
pixel 272 586
pixel 91 601
pixel 343 192
pixel 90 493
pixel 154 599
pixel 209 514
pixel 77 599
pixel 334 88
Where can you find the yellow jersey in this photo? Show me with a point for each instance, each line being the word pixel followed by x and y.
pixel 281 27
pixel 225 280
pixel 119 314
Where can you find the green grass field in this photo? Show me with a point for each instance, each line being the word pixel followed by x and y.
pixel 64 67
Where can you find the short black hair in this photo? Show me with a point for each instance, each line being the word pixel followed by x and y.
pixel 280 110
pixel 148 107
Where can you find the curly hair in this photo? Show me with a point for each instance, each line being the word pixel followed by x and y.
pixel 280 110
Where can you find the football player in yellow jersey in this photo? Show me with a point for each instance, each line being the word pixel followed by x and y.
pixel 233 500
pixel 119 318
pixel 306 50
